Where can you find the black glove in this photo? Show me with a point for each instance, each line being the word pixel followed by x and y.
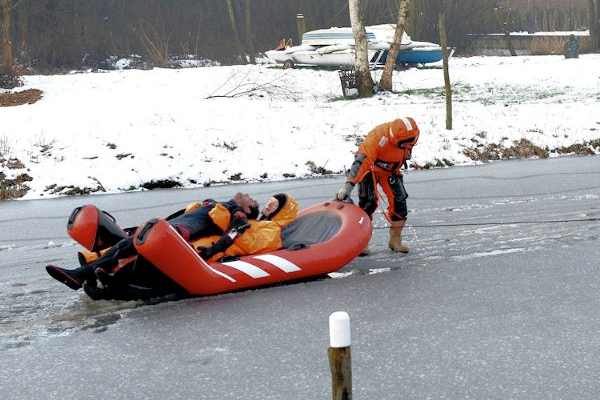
pixel 220 246
pixel 205 252
pixel 344 192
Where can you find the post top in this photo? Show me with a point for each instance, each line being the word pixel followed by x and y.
pixel 339 329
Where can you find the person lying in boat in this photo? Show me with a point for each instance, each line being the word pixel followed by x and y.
pixel 225 219
pixel 263 235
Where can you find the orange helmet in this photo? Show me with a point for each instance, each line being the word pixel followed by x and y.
pixel 404 133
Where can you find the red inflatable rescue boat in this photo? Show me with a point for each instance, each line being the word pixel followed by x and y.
pixel 322 239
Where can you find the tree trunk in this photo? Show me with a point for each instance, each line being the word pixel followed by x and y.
pixel 531 17
pixel 249 39
pixel 361 54
pixel 597 24
pixel 386 82
pixel 413 26
pixel 236 36
pixel 22 35
pixel 593 24
pixel 504 25
pixel 7 57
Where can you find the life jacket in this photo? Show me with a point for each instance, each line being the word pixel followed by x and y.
pixel 261 237
pixel 209 218
pixel 219 213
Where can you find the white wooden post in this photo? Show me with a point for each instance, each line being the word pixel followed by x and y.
pixel 339 355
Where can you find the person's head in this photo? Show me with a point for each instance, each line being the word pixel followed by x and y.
pixel 404 134
pixel 249 205
pixel 273 206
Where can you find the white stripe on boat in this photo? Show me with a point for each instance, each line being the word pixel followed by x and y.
pixel 190 249
pixel 247 268
pixel 279 262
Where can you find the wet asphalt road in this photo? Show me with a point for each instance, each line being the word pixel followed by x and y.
pixel 498 299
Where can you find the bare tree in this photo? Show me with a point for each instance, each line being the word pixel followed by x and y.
pixel 249 40
pixel 7 56
pixel 236 36
pixel 252 82
pixel 594 15
pixel 531 17
pixel 385 83
pixel 413 20
pixel 504 24
pixel 361 54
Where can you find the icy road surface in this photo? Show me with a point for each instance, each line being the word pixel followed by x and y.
pixel 498 298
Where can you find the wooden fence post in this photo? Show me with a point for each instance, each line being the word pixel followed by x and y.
pixel 339 355
pixel 447 85
pixel 301 27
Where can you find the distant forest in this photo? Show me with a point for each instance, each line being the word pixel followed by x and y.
pixel 73 34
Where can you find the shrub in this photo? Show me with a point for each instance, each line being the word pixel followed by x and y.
pixel 10 79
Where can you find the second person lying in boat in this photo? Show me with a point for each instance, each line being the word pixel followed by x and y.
pixel 263 235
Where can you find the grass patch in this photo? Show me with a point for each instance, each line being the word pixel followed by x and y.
pixel 437 163
pixel 586 148
pixel 11 189
pixel 344 98
pixel 493 151
pixel 28 96
pixel 425 92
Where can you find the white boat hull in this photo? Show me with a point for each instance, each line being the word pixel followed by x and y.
pixel 375 33
pixel 319 58
pixel 334 47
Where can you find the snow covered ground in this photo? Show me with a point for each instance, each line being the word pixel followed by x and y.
pixel 120 130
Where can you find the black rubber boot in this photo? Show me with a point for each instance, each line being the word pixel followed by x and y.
pixel 106 277
pixel 73 278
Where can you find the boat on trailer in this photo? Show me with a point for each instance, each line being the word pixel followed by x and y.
pixel 322 239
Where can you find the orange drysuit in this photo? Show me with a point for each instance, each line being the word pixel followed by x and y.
pixel 379 160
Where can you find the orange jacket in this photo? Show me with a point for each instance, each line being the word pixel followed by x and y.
pixel 389 143
pixel 261 237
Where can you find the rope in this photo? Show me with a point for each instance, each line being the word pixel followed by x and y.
pixel 378 197
pixel 558 221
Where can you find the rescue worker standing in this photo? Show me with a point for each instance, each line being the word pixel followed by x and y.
pixel 378 161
